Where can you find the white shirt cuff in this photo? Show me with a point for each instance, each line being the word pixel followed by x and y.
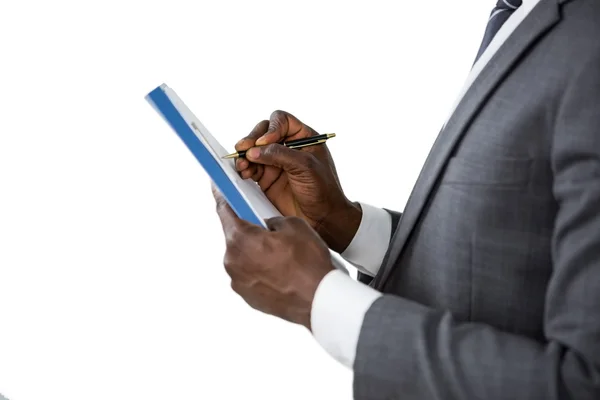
pixel 372 239
pixel 337 314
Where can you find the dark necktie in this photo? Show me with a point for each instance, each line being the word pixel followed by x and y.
pixel 499 15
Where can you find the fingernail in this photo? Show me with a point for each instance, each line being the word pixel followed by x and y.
pixel 261 141
pixel 253 152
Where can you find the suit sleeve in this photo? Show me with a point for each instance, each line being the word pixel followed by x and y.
pixel 410 351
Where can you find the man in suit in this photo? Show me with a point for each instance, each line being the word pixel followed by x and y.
pixel 487 286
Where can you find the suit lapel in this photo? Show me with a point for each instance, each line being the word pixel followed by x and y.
pixel 540 20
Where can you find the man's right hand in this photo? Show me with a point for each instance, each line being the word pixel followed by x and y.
pixel 299 182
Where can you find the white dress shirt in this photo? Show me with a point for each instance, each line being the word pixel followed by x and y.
pixel 340 303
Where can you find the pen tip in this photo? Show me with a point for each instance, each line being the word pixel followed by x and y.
pixel 229 156
pixel 330 135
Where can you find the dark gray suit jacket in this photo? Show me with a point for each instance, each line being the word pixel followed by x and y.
pixel 492 278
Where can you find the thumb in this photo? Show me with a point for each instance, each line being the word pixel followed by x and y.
pixel 294 224
pixel 276 223
pixel 282 157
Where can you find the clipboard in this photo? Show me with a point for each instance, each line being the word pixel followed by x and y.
pixel 243 195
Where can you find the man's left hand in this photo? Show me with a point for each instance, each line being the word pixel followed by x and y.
pixel 276 271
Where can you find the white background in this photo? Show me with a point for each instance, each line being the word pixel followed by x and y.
pixel 111 283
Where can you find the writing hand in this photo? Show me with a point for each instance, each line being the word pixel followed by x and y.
pixel 301 183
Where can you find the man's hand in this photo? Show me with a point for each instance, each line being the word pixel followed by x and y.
pixel 301 183
pixel 275 271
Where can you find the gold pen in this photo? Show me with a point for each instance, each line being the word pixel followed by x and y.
pixel 292 144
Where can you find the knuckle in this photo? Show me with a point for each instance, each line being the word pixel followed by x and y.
pixel 274 125
pixel 271 150
pixel 228 262
pixel 232 259
pixel 278 120
pixel 262 125
pixel 233 238
pixel 278 114
pixel 258 131
pixel 220 204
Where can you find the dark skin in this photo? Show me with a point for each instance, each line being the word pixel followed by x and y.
pixel 277 271
pixel 301 183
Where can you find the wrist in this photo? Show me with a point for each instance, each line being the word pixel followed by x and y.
pixel 313 281
pixel 340 226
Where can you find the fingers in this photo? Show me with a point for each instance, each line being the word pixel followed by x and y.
pixel 241 164
pixel 249 172
pixel 255 171
pixel 227 216
pixel 233 226
pixel 283 126
pixel 259 130
pixel 260 169
pixel 270 176
pixel 282 157
pixel 246 169
pixel 216 193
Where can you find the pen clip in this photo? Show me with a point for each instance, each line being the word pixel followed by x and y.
pixel 307 144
